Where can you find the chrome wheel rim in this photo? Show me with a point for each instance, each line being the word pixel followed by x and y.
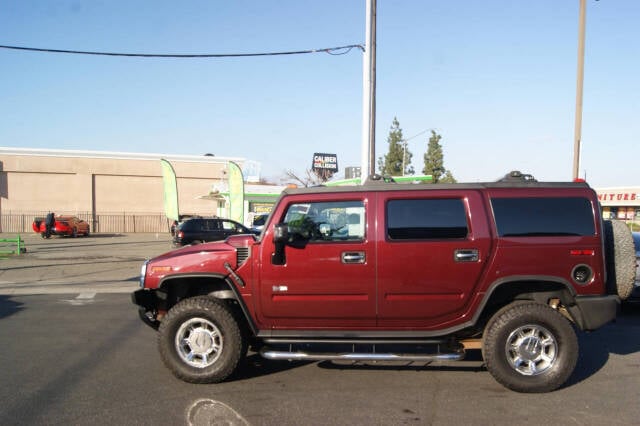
pixel 531 350
pixel 199 342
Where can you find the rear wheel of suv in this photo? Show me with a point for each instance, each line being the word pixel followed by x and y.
pixel 530 347
pixel 620 255
pixel 200 341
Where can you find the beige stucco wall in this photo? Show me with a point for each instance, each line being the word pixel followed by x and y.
pixel 99 182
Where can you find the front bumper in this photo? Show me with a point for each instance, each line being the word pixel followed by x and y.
pixel 147 306
pixel 592 312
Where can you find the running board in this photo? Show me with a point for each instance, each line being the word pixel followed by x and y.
pixel 307 356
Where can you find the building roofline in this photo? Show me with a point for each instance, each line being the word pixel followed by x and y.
pixel 42 152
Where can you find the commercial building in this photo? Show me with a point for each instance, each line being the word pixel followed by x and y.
pixel 123 192
pixel 114 191
pixel 620 203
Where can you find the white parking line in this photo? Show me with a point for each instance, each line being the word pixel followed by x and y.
pixel 86 295
pixel 81 299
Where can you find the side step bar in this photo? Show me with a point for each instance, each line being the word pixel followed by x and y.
pixel 354 356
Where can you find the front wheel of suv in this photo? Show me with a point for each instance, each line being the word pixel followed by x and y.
pixel 200 341
pixel 530 347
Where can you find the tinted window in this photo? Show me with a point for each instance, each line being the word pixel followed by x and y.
pixel 211 225
pixel 426 219
pixel 260 220
pixel 184 226
pixel 543 216
pixel 327 221
pixel 192 225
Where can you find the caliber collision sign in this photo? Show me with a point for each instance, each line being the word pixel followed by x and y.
pixel 322 161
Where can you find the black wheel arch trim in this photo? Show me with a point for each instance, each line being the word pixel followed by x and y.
pixel 229 282
pixel 588 312
pixel 566 294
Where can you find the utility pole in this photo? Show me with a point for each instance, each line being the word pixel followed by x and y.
pixel 579 85
pixel 404 147
pixel 368 148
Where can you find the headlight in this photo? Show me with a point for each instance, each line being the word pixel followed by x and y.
pixel 143 273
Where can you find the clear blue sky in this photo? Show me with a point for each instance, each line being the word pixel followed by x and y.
pixel 496 78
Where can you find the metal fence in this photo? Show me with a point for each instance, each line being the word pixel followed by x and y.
pixel 102 223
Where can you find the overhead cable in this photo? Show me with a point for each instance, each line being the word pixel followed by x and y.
pixel 340 50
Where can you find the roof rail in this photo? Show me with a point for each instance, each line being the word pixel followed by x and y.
pixel 517 176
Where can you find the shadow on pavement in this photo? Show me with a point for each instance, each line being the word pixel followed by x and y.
pixel 256 366
pixel 9 307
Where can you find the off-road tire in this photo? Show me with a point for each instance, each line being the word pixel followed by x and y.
pixel 620 257
pixel 533 338
pixel 188 328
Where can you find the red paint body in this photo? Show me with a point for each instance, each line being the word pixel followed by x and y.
pixel 401 285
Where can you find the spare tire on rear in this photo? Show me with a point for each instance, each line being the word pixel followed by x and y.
pixel 620 258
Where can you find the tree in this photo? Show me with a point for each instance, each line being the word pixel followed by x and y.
pixel 434 161
pixel 397 161
pixel 310 179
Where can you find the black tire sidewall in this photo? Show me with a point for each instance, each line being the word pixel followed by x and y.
pixel 620 258
pixel 216 312
pixel 514 316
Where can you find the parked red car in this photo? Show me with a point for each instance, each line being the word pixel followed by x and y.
pixel 60 225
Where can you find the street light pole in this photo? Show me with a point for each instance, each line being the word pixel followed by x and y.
pixel 579 85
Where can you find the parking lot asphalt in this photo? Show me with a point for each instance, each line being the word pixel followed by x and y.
pixel 100 263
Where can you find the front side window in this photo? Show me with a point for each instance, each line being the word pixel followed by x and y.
pixel 228 226
pixel 417 219
pixel 327 221
pixel 543 216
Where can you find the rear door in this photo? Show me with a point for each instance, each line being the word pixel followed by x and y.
pixel 430 256
pixel 328 277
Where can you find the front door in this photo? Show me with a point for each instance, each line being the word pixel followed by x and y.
pixel 327 277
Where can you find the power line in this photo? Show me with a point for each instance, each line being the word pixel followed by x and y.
pixel 340 50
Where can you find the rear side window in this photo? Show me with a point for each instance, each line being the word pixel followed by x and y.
pixel 210 225
pixel 426 219
pixel 532 217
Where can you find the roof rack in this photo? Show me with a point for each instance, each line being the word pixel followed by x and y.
pixel 517 176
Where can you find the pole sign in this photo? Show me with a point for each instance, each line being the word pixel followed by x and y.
pixel 323 161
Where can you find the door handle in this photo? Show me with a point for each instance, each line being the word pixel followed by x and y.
pixel 353 257
pixel 466 255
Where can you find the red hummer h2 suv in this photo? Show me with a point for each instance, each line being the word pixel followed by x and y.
pixel 407 272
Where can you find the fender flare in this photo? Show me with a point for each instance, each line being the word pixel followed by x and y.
pixel 232 291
